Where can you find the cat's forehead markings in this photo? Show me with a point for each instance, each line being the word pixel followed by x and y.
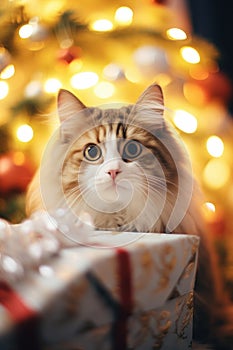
pixel 110 135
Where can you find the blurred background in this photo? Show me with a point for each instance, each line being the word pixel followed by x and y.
pixel 110 51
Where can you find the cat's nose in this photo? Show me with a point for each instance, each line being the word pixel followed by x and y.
pixel 114 173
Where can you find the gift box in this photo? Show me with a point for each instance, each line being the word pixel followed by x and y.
pixel 121 291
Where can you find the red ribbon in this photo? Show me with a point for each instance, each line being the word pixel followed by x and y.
pixel 126 299
pixel 18 310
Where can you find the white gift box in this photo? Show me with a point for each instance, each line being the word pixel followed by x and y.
pixel 121 291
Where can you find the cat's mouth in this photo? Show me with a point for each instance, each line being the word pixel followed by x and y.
pixel 114 190
pixel 117 184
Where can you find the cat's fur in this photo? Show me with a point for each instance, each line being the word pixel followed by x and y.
pixel 152 192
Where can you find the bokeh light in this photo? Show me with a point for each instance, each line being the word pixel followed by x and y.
pixel 124 15
pixel 25 31
pixel 52 85
pixel 104 89
pixel 190 54
pixel 215 146
pixel 84 80
pixel 216 173
pixel 8 72
pixel 102 25
pixel 4 89
pixel 176 34
pixel 24 133
pixel 185 121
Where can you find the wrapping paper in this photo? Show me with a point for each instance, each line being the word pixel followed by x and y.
pixel 123 291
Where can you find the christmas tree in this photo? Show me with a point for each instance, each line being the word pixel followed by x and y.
pixel 110 52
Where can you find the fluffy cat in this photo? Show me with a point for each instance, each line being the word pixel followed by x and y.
pixel 128 170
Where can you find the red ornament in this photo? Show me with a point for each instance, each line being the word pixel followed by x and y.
pixel 68 55
pixel 159 2
pixel 15 172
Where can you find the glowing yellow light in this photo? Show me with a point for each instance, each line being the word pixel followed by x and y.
pixel 76 65
pixel 176 34
pixel 7 72
pixel 52 85
pixel 25 31
pixel 84 80
pixel 133 75
pixel 210 206
pixel 216 173
pixel 185 121
pixel 104 89
pixel 209 211
pixel 163 79
pixel 24 133
pixel 190 54
pixel 4 89
pixel 124 15
pixel 102 25
pixel 215 146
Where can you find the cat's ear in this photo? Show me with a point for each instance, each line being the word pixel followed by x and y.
pixel 72 114
pixel 152 98
pixel 68 105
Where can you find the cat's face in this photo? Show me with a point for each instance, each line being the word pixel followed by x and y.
pixel 111 166
pixel 120 164
pixel 116 165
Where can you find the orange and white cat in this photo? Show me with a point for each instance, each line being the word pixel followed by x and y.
pixel 127 169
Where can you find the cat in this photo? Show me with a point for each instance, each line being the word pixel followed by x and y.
pixel 127 168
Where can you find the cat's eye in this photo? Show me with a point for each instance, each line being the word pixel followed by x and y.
pixel 132 149
pixel 92 152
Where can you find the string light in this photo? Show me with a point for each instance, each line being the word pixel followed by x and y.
pixel 215 146
pixel 102 25
pixel 163 79
pixel 209 211
pixel 25 133
pixel 104 89
pixel 8 72
pixel 124 15
pixel 33 89
pixel 190 54
pixel 76 65
pixel 210 206
pixel 216 173
pixel 52 85
pixel 176 34
pixel 113 72
pixel 84 80
pixel 4 89
pixel 132 74
pixel 25 31
pixel 185 121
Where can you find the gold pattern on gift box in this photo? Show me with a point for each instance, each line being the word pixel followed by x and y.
pixel 195 245
pixel 145 270
pixel 151 324
pixel 140 324
pixel 188 270
pixel 184 312
pixel 163 325
pixel 167 263
pixel 189 249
